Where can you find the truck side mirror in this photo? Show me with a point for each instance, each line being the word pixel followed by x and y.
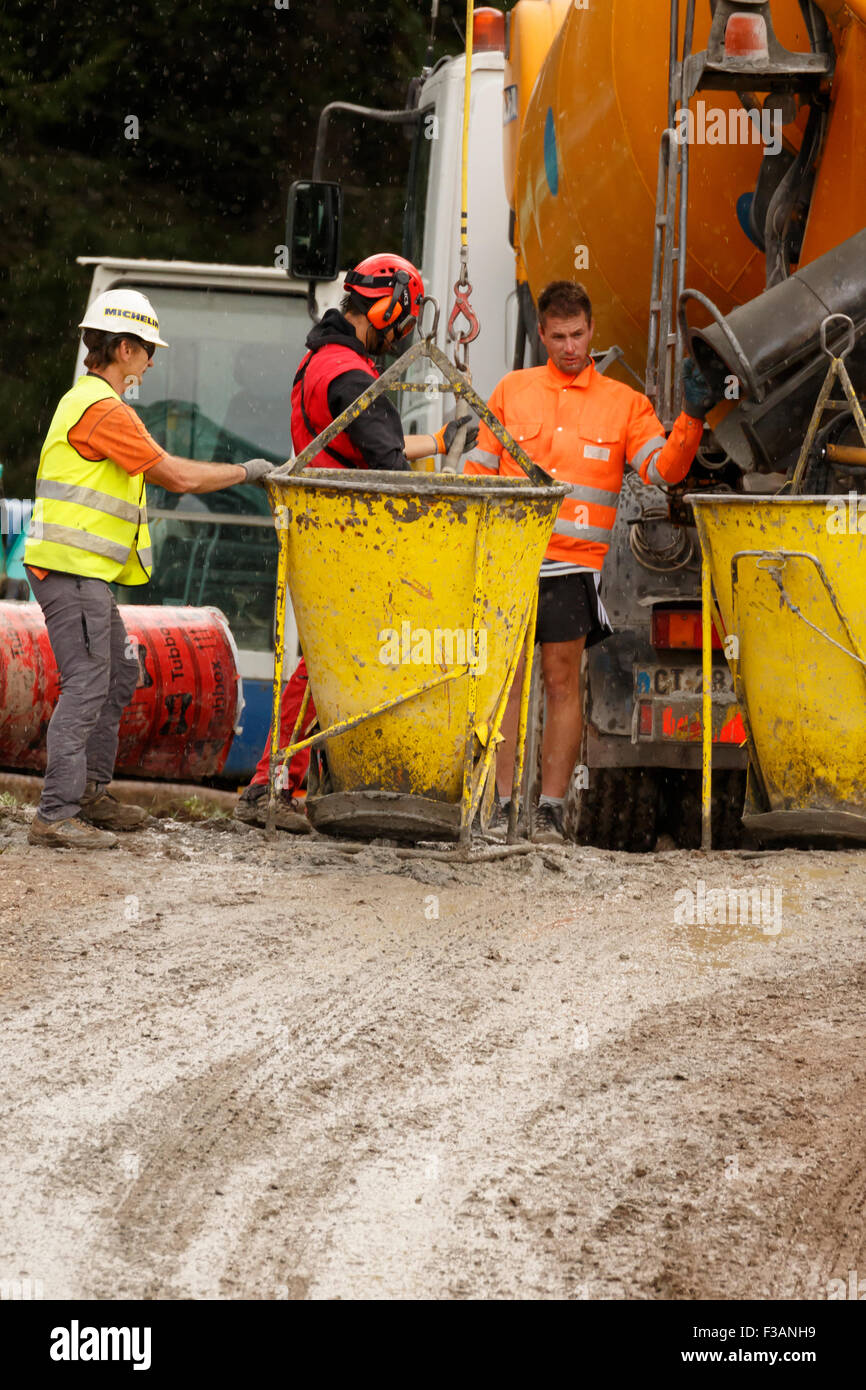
pixel 313 230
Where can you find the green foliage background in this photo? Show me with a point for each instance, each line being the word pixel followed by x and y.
pixel 227 95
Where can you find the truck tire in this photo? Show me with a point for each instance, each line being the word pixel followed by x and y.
pixel 681 809
pixel 629 808
pixel 617 810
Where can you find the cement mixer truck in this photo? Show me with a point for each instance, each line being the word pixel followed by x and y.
pixel 699 167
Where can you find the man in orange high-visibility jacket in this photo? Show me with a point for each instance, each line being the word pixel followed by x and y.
pixel 582 428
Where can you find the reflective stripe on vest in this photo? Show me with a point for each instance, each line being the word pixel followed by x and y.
pixel 90 516
pixel 595 495
pixel 651 451
pixel 583 533
pixel 587 514
pixel 88 497
pixel 654 476
pixel 82 540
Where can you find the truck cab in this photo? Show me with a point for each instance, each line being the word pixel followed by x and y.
pixel 436 192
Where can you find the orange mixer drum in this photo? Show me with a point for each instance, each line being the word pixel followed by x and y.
pixel 588 166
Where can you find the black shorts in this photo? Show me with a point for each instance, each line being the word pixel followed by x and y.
pixel 568 609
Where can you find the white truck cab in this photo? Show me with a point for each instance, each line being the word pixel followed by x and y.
pixel 491 257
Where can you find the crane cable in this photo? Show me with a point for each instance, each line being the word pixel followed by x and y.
pixel 461 337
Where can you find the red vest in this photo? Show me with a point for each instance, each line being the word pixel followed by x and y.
pixel 310 412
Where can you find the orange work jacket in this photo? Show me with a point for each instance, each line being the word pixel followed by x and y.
pixel 583 430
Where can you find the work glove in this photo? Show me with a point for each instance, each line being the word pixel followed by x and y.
pixel 698 396
pixel 445 437
pixel 257 469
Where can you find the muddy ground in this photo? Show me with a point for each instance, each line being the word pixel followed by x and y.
pixel 234 1068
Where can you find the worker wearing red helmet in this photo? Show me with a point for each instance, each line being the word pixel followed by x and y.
pixel 379 309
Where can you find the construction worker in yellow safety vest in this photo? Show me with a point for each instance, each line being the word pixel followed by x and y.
pixel 583 429
pixel 89 530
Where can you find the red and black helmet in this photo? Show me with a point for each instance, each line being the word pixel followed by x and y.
pixel 394 288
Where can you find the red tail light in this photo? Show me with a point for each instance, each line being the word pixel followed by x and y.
pixel 678 628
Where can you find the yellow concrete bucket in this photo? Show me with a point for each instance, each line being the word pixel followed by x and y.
pixel 405 583
pixel 789 575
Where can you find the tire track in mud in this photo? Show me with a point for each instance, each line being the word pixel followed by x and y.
pixel 845 1250
pixel 481 1138
pixel 194 1110
pixel 341 1096
pixel 217 1119
pixel 528 1178
pixel 377 1113
pixel 823 1229
pixel 740 1204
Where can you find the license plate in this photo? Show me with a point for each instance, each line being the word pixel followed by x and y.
pixel 669 705
pixel 650 682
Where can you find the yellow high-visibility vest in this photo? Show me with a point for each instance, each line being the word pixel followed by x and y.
pixel 90 518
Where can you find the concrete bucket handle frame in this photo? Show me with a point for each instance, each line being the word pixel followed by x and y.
pixel 456 382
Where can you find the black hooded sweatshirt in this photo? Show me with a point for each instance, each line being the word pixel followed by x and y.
pixel 378 430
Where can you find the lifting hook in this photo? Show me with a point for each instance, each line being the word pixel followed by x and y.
pixel 461 337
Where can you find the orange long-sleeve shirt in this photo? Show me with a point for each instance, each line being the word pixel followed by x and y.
pixel 583 430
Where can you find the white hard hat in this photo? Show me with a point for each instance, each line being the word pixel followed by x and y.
pixel 116 310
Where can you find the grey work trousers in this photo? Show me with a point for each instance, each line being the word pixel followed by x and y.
pixel 98 675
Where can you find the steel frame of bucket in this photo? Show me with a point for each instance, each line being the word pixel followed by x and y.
pixel 836 369
pixel 709 611
pixel 710 617
pixel 777 559
pixel 474 773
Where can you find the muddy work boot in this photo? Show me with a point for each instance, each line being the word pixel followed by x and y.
pixel 252 809
pixel 68 834
pixel 100 808
pixel 549 828
pixel 249 804
pixel 288 816
pixel 498 825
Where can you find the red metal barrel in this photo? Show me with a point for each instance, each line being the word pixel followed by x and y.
pixel 181 720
